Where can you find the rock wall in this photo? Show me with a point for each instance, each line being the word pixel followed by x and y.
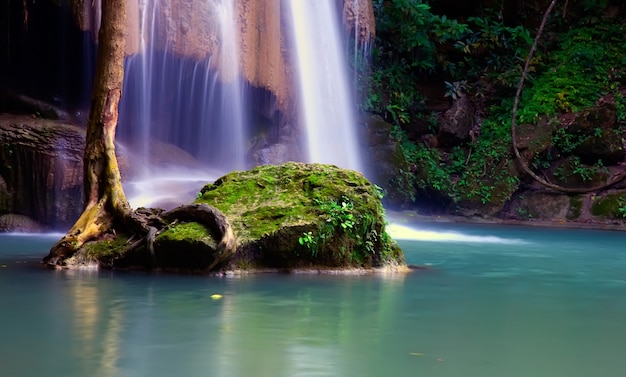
pixel 41 173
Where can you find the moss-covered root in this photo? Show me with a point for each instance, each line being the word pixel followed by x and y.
pixel 214 220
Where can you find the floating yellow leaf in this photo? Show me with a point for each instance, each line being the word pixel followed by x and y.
pixel 216 296
pixel 416 354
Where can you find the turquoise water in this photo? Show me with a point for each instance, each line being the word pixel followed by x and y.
pixel 498 301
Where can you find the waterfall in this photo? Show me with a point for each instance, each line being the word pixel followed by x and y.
pixel 327 106
pixel 181 100
pixel 232 99
pixel 201 103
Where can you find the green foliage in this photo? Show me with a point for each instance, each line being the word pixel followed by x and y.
pixel 380 192
pixel 487 176
pixel 493 52
pixel 524 213
pixel 620 107
pixel 340 216
pixel 455 89
pixel 565 141
pixel 407 46
pixel 309 241
pixel 431 173
pixel 483 58
pixel 621 210
pixel 575 168
pixel 392 92
pixel 609 206
pixel 483 173
pixel 340 213
pixel 409 28
pixel 413 44
pixel 587 63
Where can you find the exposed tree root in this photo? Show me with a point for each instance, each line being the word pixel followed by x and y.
pixel 518 156
pixel 146 225
pixel 212 218
pixel 92 223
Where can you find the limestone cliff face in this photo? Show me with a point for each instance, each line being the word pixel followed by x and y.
pixel 41 171
pixel 191 28
pixel 359 19
pixel 263 57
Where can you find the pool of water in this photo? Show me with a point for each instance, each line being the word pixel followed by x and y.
pixel 497 301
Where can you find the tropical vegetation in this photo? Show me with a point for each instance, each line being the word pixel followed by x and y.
pixel 426 62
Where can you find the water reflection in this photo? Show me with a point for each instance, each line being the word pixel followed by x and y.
pixel 97 321
pixel 278 334
pixel 552 307
pixel 86 315
pixel 112 342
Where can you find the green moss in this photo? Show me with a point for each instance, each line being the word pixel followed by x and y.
pixel 244 264
pixel 575 207
pixel 608 206
pixel 185 231
pixel 592 52
pixel 274 207
pixel 270 196
pixel 105 249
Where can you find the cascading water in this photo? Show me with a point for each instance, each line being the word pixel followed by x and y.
pixel 220 136
pixel 180 100
pixel 232 99
pixel 325 95
pixel 202 104
pixel 186 102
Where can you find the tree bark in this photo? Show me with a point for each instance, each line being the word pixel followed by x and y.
pixel 104 197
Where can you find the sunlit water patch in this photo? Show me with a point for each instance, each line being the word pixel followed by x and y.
pixel 403 232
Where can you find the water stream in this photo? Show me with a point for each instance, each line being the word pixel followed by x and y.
pixel 497 301
pixel 325 95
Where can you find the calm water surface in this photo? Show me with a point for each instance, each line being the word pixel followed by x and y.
pixel 499 301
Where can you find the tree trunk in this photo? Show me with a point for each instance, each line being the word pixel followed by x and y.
pixel 105 200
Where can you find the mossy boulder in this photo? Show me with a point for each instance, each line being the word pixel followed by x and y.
pixel 610 205
pixel 299 215
pixel 291 216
